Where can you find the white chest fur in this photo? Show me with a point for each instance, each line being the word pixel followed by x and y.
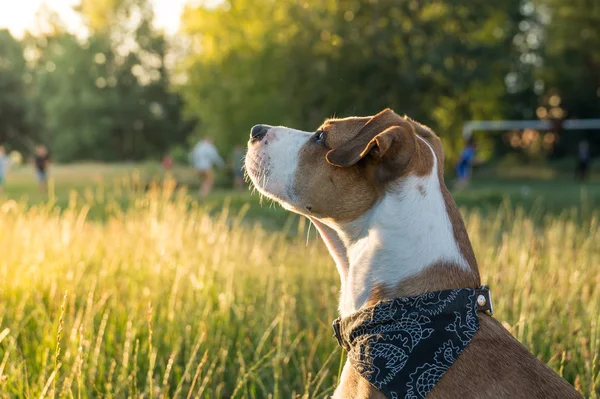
pixel 403 234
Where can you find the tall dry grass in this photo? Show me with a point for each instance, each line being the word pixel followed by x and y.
pixel 163 300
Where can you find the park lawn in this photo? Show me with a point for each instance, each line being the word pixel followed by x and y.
pixel 171 298
pixel 95 182
pixel 158 295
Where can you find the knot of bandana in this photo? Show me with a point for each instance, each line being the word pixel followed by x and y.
pixel 404 346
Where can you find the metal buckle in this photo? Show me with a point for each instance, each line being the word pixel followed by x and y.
pixel 484 299
pixel 336 331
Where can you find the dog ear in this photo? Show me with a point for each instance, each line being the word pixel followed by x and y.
pixel 376 138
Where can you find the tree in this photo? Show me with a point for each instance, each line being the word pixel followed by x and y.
pixel 107 97
pixel 570 67
pixel 13 91
pixel 441 62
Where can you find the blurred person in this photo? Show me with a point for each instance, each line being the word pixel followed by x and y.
pixel 464 167
pixel 204 157
pixel 237 166
pixel 15 158
pixel 583 161
pixel 167 162
pixel 41 161
pixel 4 166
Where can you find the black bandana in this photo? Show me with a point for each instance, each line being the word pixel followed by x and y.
pixel 404 346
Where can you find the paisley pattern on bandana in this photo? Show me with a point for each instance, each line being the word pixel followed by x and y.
pixel 405 345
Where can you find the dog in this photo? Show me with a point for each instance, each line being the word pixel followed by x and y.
pixel 374 188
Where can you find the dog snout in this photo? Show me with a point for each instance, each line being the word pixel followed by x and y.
pixel 258 132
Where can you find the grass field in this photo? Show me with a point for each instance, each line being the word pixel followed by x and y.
pixel 111 290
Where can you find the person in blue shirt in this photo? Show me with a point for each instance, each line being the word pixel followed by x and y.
pixel 4 166
pixel 42 160
pixel 583 161
pixel 465 164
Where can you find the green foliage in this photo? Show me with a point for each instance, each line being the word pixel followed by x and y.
pixel 13 90
pixel 571 54
pixel 288 62
pixel 571 63
pixel 127 92
pixel 107 97
pixel 180 155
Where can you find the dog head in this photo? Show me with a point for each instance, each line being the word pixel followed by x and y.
pixel 344 167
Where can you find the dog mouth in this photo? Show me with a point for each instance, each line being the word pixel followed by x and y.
pixel 257 164
pixel 259 171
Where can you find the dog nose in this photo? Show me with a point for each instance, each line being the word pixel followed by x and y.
pixel 258 132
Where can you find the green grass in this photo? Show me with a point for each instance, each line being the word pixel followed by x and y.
pixel 160 296
pixel 93 183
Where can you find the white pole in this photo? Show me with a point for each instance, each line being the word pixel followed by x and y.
pixel 568 124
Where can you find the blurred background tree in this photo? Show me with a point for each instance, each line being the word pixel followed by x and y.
pixel 126 91
pixel 570 64
pixel 13 90
pixel 106 97
pixel 442 62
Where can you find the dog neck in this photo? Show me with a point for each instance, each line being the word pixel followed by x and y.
pixel 412 241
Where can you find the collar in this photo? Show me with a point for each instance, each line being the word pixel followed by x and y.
pixel 483 298
pixel 403 346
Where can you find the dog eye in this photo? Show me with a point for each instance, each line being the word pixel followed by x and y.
pixel 319 137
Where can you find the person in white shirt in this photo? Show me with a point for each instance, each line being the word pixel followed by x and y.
pixel 204 157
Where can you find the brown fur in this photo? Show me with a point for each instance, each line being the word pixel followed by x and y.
pixel 389 139
pixel 340 193
pixel 438 277
pixel 350 172
pixel 342 179
pixel 494 364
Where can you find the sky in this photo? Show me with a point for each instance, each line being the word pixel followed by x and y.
pixel 19 15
